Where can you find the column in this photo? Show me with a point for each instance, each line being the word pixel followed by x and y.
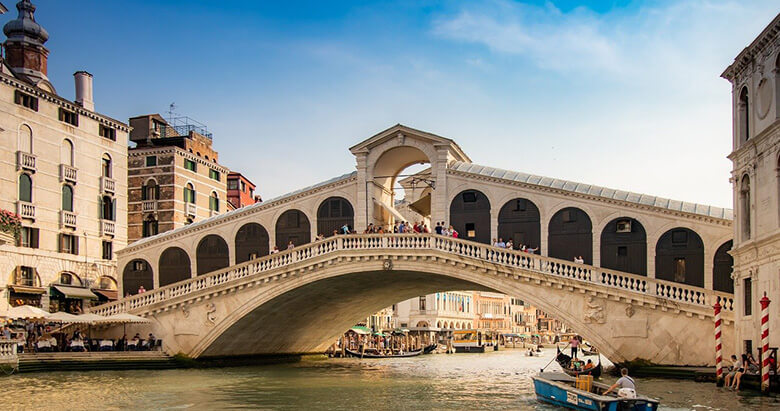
pixel 363 209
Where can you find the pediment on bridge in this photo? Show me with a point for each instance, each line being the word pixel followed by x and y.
pixel 402 132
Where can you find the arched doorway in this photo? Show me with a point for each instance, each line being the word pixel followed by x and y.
pixel 519 221
pixel 334 213
pixel 722 267
pixel 251 242
pixel 470 216
pixel 292 226
pixel 212 254
pixel 624 246
pixel 402 162
pixel 679 257
pixel 136 274
pixel 570 234
pixel 174 266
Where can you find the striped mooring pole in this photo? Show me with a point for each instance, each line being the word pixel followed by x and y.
pixel 718 353
pixel 764 343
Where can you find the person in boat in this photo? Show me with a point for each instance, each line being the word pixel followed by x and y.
pixel 589 365
pixel 576 365
pixel 574 343
pixel 625 385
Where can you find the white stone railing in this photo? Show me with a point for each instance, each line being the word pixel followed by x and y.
pixel 191 209
pixel 25 161
pixel 25 209
pixel 8 350
pixel 149 206
pixel 107 227
pixel 630 283
pixel 68 219
pixel 68 173
pixel 107 185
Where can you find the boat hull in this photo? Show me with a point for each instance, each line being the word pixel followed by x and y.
pixel 470 349
pixel 572 398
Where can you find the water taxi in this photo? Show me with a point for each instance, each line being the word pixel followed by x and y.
pixel 583 394
pixel 473 341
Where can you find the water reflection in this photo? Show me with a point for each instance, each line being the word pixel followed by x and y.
pixel 496 380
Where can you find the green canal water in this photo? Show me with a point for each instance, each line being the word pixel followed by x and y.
pixel 495 380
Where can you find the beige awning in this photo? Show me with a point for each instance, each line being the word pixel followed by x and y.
pixel 76 292
pixel 422 206
pixel 391 210
pixel 24 289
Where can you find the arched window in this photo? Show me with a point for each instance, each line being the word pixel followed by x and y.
pixel 25 139
pixel 214 201
pixel 679 257
pixel 624 246
pixel 66 153
pixel 722 268
pixel 174 266
pixel 212 254
pixel 519 221
pixel 743 113
pixel 570 235
pixel 106 166
pixel 470 216
pixel 67 198
pixel 292 226
pixel 107 208
pixel 136 274
pixel 189 194
pixel 333 214
pixel 744 207
pixel 251 242
pixel 25 188
pixel 150 227
pixel 107 283
pixel 70 279
pixel 151 191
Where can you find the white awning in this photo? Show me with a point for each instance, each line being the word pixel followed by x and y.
pixel 76 292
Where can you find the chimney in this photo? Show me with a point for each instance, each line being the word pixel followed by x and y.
pixel 84 90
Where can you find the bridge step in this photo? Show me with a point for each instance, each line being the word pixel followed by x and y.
pixel 95 361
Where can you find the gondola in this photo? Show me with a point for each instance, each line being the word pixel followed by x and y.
pixel 564 361
pixel 592 351
pixel 373 354
pixel 431 348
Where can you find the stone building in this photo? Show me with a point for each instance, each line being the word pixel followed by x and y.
pixel 63 170
pixel 174 178
pixel 438 312
pixel 755 80
pixel 493 312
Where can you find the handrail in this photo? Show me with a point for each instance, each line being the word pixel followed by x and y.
pixel 665 290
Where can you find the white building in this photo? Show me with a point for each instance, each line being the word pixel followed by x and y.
pixel 63 170
pixel 445 311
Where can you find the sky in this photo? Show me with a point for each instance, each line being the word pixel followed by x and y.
pixel 622 94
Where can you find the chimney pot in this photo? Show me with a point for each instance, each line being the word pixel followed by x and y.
pixel 84 90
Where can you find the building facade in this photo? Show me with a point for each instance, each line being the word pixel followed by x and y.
pixel 174 178
pixel 444 311
pixel 240 191
pixel 755 177
pixel 63 171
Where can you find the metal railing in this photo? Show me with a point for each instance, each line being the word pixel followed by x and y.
pixel 629 283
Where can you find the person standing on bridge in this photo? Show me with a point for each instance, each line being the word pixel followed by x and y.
pixel 574 343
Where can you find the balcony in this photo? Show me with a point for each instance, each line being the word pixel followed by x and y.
pixel 149 206
pixel 107 227
pixel 25 209
pixel 25 161
pixel 107 185
pixel 68 174
pixel 191 209
pixel 68 219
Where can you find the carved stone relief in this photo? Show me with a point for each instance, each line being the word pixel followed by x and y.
pixel 595 311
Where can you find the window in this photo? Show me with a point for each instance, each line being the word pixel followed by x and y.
pixel 107 132
pixel 28 237
pixel 25 188
pixel 150 227
pixel 623 226
pixel 520 204
pixel 214 202
pixel 190 165
pixel 25 139
pixel 107 208
pixel 243 187
pixel 151 161
pixel 679 270
pixel 622 251
pixel 26 100
pixel 66 152
pixel 107 283
pixel 422 303
pixel 680 237
pixel 232 185
pixel 69 117
pixel 214 174
pixel 469 197
pixel 26 276
pixel 569 216
pixel 69 279
pixel 69 244
pixel 747 285
pixel 743 116
pixel 67 198
pixel 471 230
pixel 106 166
pixel 108 250
pixel 189 194
pixel 139 265
pixel 748 346
pixel 744 207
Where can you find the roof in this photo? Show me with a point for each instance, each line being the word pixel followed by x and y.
pixel 593 190
pixel 265 204
pixel 762 41
pixel 400 128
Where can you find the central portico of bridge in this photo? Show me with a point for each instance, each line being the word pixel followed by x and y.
pixel 653 266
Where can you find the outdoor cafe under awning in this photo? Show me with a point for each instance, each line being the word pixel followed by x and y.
pixel 77 293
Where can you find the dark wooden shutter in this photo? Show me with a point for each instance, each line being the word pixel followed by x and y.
pixel 61 114
pixel 143 193
pixel 34 238
pixel 75 244
pixel 113 210
pixel 156 191
pixel 17 97
pixel 61 242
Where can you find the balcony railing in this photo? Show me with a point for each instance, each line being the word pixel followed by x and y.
pixel 149 206
pixel 107 185
pixel 107 227
pixel 68 219
pixel 25 161
pixel 68 174
pixel 191 209
pixel 25 209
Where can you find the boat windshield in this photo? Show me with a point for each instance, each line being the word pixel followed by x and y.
pixel 468 336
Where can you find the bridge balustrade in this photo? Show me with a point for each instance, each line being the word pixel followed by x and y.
pixel 663 290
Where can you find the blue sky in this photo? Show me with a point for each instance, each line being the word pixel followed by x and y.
pixel 624 94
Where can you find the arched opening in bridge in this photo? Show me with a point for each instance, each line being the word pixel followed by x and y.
pixel 251 242
pixel 407 199
pixel 470 216
pixel 136 274
pixel 292 227
pixel 722 267
pixel 570 235
pixel 333 214
pixel 624 246
pixel 174 266
pixel 212 254
pixel 679 257
pixel 519 221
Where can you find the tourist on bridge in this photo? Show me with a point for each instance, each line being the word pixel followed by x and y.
pixel 141 290
pixel 626 385
pixel 275 250
pixel 290 245
pixel 574 343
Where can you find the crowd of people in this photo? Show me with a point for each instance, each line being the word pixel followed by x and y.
pixel 509 245
pixel 38 337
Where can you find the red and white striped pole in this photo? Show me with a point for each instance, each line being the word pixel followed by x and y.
pixel 764 343
pixel 718 346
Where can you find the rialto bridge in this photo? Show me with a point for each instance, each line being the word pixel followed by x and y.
pixel 653 267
